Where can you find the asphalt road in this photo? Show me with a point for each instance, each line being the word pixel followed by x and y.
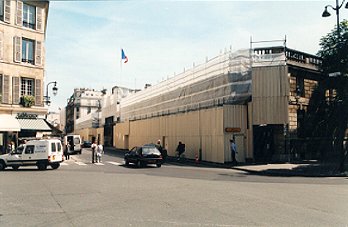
pixel 80 193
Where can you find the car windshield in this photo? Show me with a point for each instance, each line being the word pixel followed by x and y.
pixel 150 150
pixel 19 150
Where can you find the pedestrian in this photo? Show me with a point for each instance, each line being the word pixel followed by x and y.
pixel 161 149
pixel 94 148
pixel 180 149
pixel 67 152
pixel 100 152
pixel 233 151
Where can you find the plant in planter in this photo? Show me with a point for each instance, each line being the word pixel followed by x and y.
pixel 27 100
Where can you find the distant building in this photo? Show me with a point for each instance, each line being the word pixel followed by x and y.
pixel 22 62
pixel 99 123
pixel 82 102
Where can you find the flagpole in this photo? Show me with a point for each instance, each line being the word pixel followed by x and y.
pixel 120 68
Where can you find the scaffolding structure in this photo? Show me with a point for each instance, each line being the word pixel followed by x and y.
pixel 224 79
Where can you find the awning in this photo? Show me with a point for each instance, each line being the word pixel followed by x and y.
pixel 9 123
pixel 34 124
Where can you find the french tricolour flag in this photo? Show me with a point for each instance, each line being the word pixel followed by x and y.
pixel 123 56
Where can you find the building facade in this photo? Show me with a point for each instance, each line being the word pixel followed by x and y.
pixel 22 63
pixel 81 105
pixel 257 97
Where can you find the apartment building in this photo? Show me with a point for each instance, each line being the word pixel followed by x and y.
pixel 81 104
pixel 22 63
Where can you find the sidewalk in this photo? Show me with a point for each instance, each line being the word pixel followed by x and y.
pixel 280 169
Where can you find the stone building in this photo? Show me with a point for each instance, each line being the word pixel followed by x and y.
pixel 22 63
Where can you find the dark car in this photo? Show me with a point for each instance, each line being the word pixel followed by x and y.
pixel 86 144
pixel 141 156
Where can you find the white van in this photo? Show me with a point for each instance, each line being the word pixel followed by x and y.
pixel 75 143
pixel 40 153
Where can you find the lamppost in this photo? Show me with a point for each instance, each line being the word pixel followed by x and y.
pixel 54 90
pixel 337 9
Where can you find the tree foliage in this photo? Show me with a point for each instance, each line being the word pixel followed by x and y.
pixel 334 50
pixel 329 117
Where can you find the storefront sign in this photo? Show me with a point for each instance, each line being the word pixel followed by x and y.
pixel 233 130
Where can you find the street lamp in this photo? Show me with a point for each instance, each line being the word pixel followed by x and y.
pixel 54 90
pixel 337 9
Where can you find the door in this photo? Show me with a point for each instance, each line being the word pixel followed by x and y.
pixel 240 156
pixel 15 158
pixel 28 156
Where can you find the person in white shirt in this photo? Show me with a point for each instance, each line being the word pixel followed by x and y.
pixel 100 152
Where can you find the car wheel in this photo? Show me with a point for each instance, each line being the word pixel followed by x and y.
pixel 158 165
pixel 2 165
pixel 16 167
pixel 138 164
pixel 55 165
pixel 126 162
pixel 41 166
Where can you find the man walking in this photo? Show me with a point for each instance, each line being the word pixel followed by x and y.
pixel 233 151
pixel 94 148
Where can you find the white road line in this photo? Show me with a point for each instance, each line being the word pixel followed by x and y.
pixel 64 164
pixel 115 163
pixel 81 163
pixel 99 164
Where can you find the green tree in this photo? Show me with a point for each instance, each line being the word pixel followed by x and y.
pixel 334 52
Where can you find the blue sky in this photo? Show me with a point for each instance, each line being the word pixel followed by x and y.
pixel 160 38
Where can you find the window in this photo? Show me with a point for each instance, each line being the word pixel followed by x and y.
pixel 89 109
pixel 0 88
pixel 28 50
pixel 29 13
pixel 29 149
pixel 300 87
pixel 2 10
pixel 59 147
pixel 53 147
pixel 27 86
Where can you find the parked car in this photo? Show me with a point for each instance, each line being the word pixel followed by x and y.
pixel 141 156
pixel 86 144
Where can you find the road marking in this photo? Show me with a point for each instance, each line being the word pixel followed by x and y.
pixel 99 164
pixel 115 163
pixel 64 164
pixel 81 163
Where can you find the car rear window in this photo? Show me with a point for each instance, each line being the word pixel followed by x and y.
pixel 151 150
pixel 53 147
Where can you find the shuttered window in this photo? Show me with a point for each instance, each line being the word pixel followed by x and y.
pixel 17 48
pixel 38 93
pixel 1 46
pixel 6 89
pixel 27 86
pixel 15 90
pixel 7 10
pixel 28 50
pixel 19 16
pixel 38 52
pixel 29 16
pixel 39 19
